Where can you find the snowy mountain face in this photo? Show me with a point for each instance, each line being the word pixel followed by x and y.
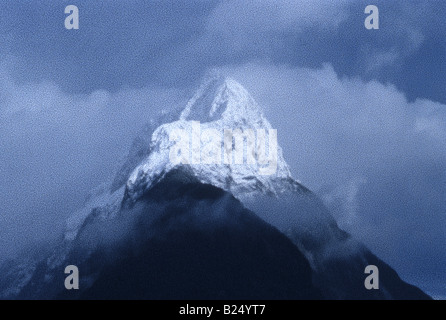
pixel 219 104
pixel 206 181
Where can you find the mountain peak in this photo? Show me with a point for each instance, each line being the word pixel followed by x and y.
pixel 221 97
pixel 220 105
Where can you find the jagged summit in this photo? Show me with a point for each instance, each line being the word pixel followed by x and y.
pixel 220 104
pixel 221 97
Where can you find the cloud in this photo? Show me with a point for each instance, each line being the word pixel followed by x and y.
pixel 376 61
pixel 56 146
pixel 258 17
pixel 155 42
pixel 360 123
pixel 432 122
pixel 342 200
pixel 379 159
pixel 68 110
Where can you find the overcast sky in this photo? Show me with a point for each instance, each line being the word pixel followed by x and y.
pixel 360 114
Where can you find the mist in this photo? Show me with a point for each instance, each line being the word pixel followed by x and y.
pixel 376 159
pixel 56 147
pixel 360 116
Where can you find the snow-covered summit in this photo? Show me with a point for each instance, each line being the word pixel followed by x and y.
pixel 221 97
pixel 220 104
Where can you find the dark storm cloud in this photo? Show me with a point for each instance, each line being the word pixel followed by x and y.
pixel 134 43
pixel 366 127
pixel 119 43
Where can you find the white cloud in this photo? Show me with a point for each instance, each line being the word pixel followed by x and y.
pixel 332 126
pixel 336 131
pixel 378 60
pixel 432 121
pixel 55 146
pixel 342 201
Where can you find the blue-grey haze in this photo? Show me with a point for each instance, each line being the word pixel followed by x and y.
pixel 361 114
